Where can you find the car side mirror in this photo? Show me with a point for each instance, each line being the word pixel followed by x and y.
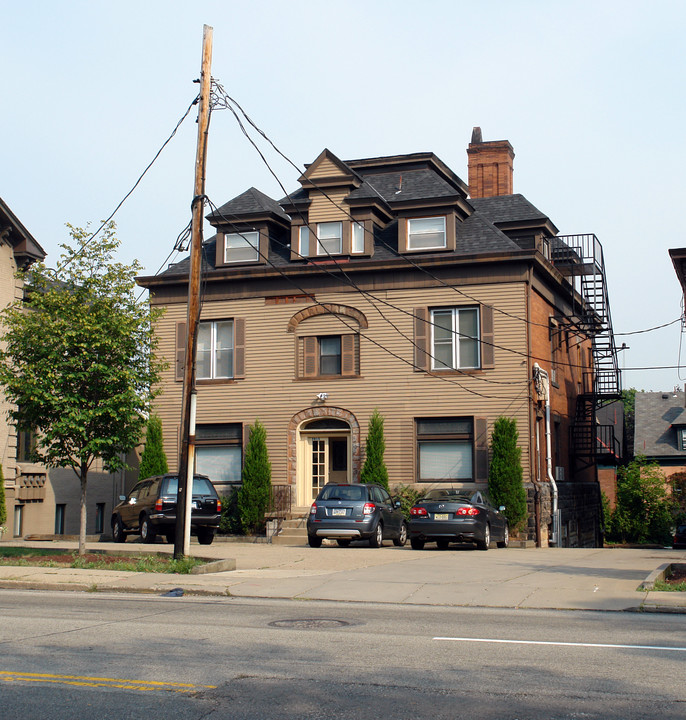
pixel 397 504
pixel 122 498
pixel 501 508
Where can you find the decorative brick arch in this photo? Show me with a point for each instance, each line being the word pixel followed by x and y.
pixel 314 413
pixel 327 309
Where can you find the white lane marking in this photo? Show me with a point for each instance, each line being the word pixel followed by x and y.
pixel 562 644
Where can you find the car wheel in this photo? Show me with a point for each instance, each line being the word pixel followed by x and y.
pixel 376 540
pixel 486 541
pixel 314 541
pixel 148 535
pixel 416 544
pixel 343 543
pixel 442 543
pixel 402 536
pixel 506 538
pixel 118 534
pixel 205 537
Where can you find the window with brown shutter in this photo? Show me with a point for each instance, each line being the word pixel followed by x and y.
pixel 220 352
pixel 328 356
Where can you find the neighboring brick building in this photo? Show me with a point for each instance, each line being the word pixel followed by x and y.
pixel 380 283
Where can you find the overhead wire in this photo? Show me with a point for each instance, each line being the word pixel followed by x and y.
pixel 135 185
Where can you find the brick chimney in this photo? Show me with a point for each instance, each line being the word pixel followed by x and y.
pixel 490 166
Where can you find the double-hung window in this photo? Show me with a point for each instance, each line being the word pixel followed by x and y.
pixel 215 350
pixel 242 247
pixel 426 233
pixel 329 238
pixel 445 449
pixel 357 239
pixel 455 343
pixel 330 355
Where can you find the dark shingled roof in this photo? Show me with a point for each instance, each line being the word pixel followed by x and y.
pixel 251 202
pixel 396 186
pixel 656 415
pixel 507 208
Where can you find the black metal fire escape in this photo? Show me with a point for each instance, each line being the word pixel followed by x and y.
pixel 580 259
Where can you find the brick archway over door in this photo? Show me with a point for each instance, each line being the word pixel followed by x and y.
pixel 316 413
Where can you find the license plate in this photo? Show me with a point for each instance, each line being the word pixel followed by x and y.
pixel 441 516
pixel 338 512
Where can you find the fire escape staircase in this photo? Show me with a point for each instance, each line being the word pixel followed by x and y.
pixel 580 259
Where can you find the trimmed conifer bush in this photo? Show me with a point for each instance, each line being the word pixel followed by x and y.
pixel 374 469
pixel 153 459
pixel 255 492
pixel 3 507
pixel 505 477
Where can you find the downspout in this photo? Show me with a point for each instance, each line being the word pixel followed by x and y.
pixel 542 383
pixel 533 424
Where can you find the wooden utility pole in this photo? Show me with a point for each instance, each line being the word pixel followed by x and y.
pixel 187 450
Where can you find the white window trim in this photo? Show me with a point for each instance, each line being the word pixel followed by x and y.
pixel 456 336
pixel 320 247
pixel 428 247
pixel 213 350
pixel 354 250
pixel 252 238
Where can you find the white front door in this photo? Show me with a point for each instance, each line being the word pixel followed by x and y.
pixel 324 459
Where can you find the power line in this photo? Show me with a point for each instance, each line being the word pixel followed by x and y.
pixel 125 198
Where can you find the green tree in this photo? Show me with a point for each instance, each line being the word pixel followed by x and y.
pixel 79 363
pixel 153 459
pixel 255 492
pixel 505 477
pixel 374 469
pixel 643 513
pixel 628 399
pixel 3 506
pixel 677 482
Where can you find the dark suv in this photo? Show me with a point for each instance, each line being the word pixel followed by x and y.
pixel 355 512
pixel 150 510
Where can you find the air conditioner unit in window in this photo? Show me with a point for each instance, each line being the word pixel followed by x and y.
pixel 559 473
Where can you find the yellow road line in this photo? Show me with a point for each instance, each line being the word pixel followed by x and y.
pixel 141 685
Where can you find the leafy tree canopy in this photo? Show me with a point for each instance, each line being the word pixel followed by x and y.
pixel 79 362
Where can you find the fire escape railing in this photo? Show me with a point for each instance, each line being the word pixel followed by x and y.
pixel 580 259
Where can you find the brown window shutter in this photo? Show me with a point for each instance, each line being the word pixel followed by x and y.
pixel 239 347
pixel 180 350
pixel 422 336
pixel 310 357
pixel 481 446
pixel 487 349
pixel 348 354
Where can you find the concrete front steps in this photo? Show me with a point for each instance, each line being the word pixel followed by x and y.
pixel 293 529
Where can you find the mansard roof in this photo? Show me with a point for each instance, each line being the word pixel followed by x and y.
pixel 26 248
pixel 249 205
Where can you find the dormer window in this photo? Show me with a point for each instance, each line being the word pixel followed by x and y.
pixel 426 233
pixel 241 247
pixel 357 240
pixel 304 241
pixel 681 438
pixel 329 238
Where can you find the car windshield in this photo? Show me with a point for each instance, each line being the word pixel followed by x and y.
pixel 342 492
pixel 448 494
pixel 201 486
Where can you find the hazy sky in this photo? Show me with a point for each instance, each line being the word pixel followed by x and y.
pixel 590 94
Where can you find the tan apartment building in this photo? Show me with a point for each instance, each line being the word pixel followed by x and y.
pixel 41 501
pixel 388 283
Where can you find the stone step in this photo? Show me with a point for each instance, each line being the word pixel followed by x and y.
pixel 291 537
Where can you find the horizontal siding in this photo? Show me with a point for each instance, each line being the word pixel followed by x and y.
pixel 326 168
pixel 388 381
pixel 327 208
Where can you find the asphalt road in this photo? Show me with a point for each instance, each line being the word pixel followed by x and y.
pixel 75 655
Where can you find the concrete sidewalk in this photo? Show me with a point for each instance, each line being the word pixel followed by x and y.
pixel 575 579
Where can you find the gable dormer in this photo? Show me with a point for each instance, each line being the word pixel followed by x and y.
pixel 323 224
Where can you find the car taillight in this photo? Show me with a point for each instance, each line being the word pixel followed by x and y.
pixel 418 511
pixel 368 508
pixel 219 505
pixel 313 509
pixel 158 505
pixel 467 511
